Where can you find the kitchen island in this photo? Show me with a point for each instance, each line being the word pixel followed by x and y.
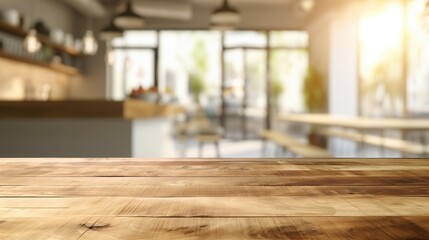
pixel 133 199
pixel 131 128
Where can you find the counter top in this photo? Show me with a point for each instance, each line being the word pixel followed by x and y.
pixel 129 109
pixel 214 199
pixel 362 123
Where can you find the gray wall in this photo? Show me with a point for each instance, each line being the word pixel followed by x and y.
pixel 58 15
pixel 253 17
pixel 54 13
pixel 65 138
pixel 92 85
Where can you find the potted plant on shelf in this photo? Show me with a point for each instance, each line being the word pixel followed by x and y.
pixel 315 101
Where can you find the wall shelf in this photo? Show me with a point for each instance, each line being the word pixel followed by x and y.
pixel 61 68
pixel 4 27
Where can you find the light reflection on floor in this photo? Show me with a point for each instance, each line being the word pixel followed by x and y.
pixel 253 149
pixel 233 149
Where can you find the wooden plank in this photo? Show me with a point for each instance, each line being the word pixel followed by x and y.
pixel 134 190
pixel 277 165
pixel 130 171
pixel 358 122
pixel 61 109
pixel 210 170
pixel 343 228
pixel 129 109
pixel 169 161
pixel 315 180
pixel 58 67
pixel 391 143
pixel 183 207
pixel 215 206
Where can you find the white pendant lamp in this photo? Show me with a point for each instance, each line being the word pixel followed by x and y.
pixel 90 44
pixel 129 19
pixel 31 42
pixel 111 32
pixel 225 15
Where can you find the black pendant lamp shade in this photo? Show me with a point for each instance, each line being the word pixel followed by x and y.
pixel 129 19
pixel 111 32
pixel 225 15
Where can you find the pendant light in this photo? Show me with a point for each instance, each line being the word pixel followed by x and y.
pixel 225 15
pixel 307 5
pixel 31 42
pixel 90 44
pixel 129 19
pixel 111 32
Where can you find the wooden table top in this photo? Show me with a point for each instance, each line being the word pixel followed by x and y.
pixel 128 109
pixel 358 122
pixel 109 199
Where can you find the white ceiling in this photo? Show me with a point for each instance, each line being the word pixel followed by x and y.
pixel 182 7
pixel 243 2
pixel 237 3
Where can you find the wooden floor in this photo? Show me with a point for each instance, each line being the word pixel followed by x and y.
pixel 91 199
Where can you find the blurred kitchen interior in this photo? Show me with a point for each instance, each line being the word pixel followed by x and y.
pixel 187 78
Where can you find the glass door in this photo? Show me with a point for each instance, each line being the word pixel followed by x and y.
pixel 245 92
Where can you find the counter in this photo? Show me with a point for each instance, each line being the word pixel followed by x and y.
pixel 131 128
pixel 130 109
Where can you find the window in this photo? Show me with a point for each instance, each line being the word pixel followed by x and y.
pixel 188 66
pixel 291 39
pixel 418 72
pixel 245 39
pixel 187 57
pixel 381 61
pixel 137 39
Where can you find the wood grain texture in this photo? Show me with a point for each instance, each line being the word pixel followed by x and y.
pixel 214 199
pixel 390 143
pixel 58 67
pixel 129 109
pixel 362 123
